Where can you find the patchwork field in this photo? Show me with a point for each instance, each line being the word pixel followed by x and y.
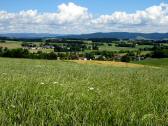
pixel 42 92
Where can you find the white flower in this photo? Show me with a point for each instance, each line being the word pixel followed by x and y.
pixel 4 73
pixel 42 83
pixel 38 66
pixel 55 82
pixel 148 116
pixel 91 88
pixel 13 106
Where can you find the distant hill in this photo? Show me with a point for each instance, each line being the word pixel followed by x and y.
pixel 29 35
pixel 118 35
pixel 122 35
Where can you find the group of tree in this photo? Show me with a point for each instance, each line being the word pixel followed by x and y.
pixel 160 51
pixel 2 41
pixel 104 40
pixel 100 55
pixel 22 39
pixel 125 44
pixel 26 44
pixel 24 53
pixel 64 41
pixel 70 48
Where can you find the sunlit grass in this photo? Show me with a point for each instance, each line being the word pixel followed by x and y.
pixel 41 92
pixel 11 44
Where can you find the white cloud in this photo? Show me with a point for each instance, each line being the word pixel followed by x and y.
pixel 72 13
pixel 71 18
pixel 148 20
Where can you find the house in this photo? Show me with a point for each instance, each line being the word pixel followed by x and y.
pixel 82 58
pixel 33 48
pixel 48 47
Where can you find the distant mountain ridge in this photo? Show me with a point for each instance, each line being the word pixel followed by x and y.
pixel 29 35
pixel 122 35
pixel 118 35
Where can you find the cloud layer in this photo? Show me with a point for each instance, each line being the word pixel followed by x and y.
pixel 71 18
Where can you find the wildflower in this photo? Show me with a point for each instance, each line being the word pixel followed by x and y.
pixel 91 88
pixel 13 106
pixel 55 82
pixel 4 73
pixel 42 83
pixel 38 66
pixel 147 116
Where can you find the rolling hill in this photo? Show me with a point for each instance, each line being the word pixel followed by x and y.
pixel 118 35
pixel 122 35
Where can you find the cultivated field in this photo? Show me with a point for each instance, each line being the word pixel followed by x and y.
pixel 42 92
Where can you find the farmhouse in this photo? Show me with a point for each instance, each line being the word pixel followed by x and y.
pixel 48 47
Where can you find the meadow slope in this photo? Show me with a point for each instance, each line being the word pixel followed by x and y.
pixel 41 92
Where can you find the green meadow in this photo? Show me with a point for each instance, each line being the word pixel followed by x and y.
pixel 43 92
pixel 163 62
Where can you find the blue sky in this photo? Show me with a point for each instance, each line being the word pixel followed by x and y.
pixel 83 16
pixel 94 6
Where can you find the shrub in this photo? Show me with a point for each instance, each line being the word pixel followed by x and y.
pixel 126 58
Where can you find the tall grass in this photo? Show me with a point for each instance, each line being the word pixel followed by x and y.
pixel 40 92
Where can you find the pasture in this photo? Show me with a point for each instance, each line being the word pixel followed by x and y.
pixel 11 44
pixel 43 92
pixel 155 62
pixel 105 47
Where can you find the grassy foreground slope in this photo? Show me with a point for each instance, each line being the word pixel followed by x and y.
pixel 40 92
